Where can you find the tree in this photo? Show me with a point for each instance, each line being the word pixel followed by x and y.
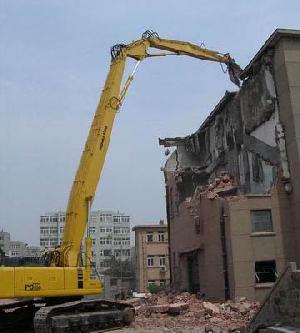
pixel 120 268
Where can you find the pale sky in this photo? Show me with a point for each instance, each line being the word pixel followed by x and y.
pixel 54 58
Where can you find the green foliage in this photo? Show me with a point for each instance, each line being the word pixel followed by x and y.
pixel 153 288
pixel 120 268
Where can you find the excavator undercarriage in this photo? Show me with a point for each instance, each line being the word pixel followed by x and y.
pixel 17 315
pixel 83 316
pixel 86 315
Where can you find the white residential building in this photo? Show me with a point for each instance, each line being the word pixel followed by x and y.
pixel 109 231
pixel 17 249
pixel 33 251
pixel 51 229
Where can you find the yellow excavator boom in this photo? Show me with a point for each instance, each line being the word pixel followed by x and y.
pixel 93 157
pixel 65 277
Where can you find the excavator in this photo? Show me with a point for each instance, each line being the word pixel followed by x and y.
pixel 55 295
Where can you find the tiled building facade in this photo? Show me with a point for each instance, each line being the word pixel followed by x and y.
pixel 109 231
pixel 152 256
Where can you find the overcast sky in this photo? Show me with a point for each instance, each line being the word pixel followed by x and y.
pixel 54 57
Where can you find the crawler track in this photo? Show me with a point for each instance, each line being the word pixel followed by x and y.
pixel 17 316
pixel 79 316
pixel 82 316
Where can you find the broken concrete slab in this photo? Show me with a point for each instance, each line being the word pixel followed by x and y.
pixel 211 308
pixel 177 308
pixel 162 308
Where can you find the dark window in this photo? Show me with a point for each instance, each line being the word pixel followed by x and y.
pixel 161 237
pixel 150 282
pixel 150 237
pixel 150 261
pixel 162 283
pixel 261 220
pixel 162 261
pixel 265 271
pixel 107 253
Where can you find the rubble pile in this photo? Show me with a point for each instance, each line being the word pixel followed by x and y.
pixel 187 311
pixel 223 185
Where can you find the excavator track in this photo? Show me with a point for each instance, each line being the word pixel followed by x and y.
pixel 83 316
pixel 17 315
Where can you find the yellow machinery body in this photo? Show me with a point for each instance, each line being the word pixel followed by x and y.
pixel 19 282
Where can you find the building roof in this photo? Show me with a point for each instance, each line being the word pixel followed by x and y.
pixel 150 226
pixel 269 43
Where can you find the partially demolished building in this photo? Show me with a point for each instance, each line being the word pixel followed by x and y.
pixel 233 186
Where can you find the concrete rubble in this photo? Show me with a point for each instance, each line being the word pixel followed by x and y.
pixel 185 311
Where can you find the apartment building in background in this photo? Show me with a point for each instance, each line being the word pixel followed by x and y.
pixel 51 229
pixel 33 251
pixel 109 231
pixel 16 249
pixel 233 186
pixel 152 256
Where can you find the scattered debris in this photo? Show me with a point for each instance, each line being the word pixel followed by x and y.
pixel 177 308
pixel 169 311
pixel 140 295
pixel 221 186
pixel 211 308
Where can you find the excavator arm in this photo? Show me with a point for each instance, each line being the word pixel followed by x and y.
pixel 66 277
pixel 93 156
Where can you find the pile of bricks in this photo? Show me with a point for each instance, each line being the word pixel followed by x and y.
pixel 186 311
pixel 220 186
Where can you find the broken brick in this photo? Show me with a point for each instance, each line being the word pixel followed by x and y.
pixel 185 311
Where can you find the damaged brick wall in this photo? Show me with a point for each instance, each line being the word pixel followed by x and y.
pixel 239 136
pixel 244 137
